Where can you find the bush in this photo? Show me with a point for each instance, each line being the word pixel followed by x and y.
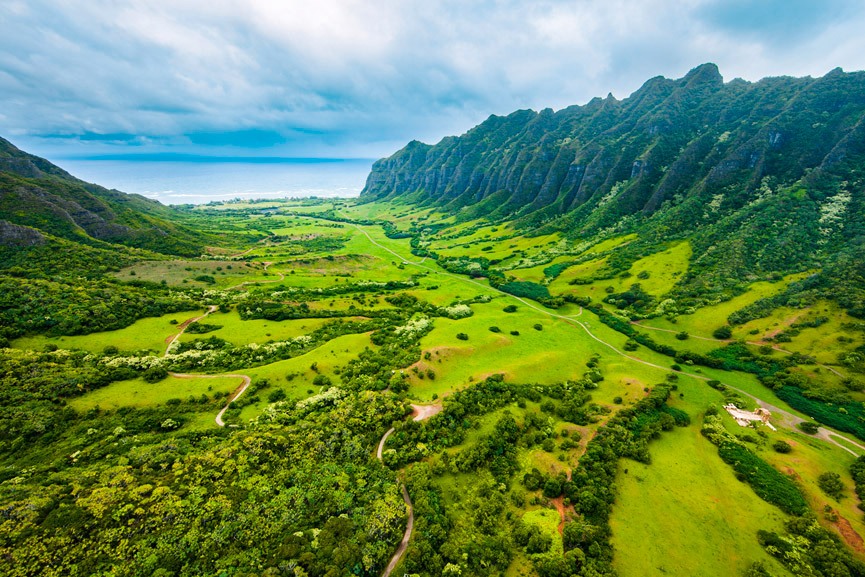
pixel 782 446
pixel 515 333
pixel 322 381
pixel 462 336
pixel 808 427
pixel 154 374
pixel 276 395
pixel 830 483
pixel 495 330
pixel 724 332
pixel 552 488
pixel 682 336
pixel 538 327
pixel 510 309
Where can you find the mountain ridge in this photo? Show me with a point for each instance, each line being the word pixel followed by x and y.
pixel 558 162
pixel 43 198
pixel 761 178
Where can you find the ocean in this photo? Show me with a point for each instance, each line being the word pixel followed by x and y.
pixel 203 181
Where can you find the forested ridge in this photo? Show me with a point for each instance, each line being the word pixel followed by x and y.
pixel 762 178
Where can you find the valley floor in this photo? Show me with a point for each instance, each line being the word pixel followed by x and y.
pixel 321 397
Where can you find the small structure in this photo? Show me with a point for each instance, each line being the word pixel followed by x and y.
pixel 745 418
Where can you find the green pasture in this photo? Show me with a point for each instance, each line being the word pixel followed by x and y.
pixel 240 332
pixel 708 318
pixel 686 515
pixel 225 273
pixel 809 459
pixel 139 393
pixel 145 334
pixel 820 342
pixel 500 249
pixel 295 376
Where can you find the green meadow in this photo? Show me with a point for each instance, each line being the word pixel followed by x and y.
pixel 146 334
pixel 684 514
pixel 139 393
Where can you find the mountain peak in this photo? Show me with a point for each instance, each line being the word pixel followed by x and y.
pixel 704 74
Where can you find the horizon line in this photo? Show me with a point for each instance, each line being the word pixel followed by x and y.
pixel 203 158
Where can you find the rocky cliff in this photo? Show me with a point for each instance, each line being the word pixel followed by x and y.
pixel 590 166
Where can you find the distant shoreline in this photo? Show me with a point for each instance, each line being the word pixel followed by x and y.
pixel 191 179
pixel 199 158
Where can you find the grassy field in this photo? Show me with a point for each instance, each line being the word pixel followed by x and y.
pixel 707 319
pixel 225 273
pixel 240 332
pixel 295 376
pixel 139 393
pixel 688 513
pixel 146 334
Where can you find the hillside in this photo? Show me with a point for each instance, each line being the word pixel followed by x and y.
pixel 39 199
pixel 763 178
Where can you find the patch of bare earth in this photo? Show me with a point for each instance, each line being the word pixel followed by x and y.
pixel 851 537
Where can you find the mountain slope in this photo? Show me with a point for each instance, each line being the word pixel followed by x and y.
pixel 762 178
pixel 613 158
pixel 46 199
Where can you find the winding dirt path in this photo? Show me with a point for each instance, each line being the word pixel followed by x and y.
pixel 253 282
pixel 234 396
pixel 420 412
pixel 788 419
pixel 183 326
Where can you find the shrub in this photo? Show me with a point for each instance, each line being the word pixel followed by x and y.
pixel 276 395
pixel 724 332
pixel 495 330
pixel 322 381
pixel 515 333
pixel 808 427
pixel 682 336
pixel 830 483
pixel 538 327
pixel 154 374
pixel 462 336
pixel 510 309
pixel 782 446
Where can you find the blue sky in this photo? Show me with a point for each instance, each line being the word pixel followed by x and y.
pixel 350 79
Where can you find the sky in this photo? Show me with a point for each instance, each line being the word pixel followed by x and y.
pixel 359 79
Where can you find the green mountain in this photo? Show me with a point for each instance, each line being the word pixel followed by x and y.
pixel 39 200
pixel 763 178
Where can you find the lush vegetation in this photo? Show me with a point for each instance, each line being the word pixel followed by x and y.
pixel 323 324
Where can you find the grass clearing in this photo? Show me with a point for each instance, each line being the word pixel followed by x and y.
pixel 140 393
pixel 241 332
pixel 686 514
pixel 145 334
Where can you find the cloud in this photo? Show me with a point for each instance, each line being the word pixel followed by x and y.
pixel 358 78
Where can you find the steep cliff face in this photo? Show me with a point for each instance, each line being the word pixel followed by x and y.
pixel 589 166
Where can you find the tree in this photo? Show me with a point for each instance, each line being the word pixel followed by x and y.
pixel 723 333
pixel 809 427
pixel 782 446
pixel 830 483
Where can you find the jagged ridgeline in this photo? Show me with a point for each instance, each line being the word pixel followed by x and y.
pixel 41 204
pixel 761 177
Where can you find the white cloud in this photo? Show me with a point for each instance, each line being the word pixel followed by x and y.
pixel 359 77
